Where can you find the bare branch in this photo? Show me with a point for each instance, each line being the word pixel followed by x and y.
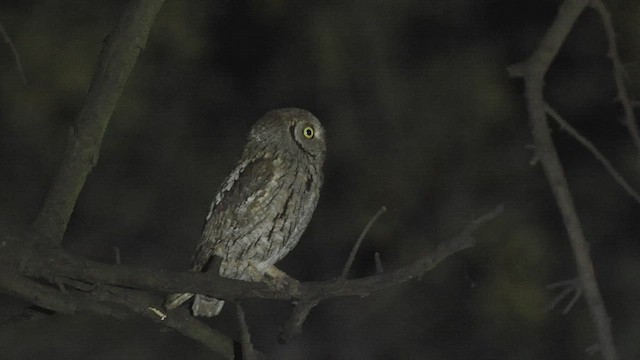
pixel 618 72
pixel 536 66
pixel 314 293
pixel 596 153
pixel 14 51
pixel 118 57
pixel 356 246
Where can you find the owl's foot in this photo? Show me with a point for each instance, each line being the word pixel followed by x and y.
pixel 279 280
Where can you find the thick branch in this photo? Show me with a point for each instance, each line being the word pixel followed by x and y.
pixel 36 293
pixel 52 264
pixel 118 57
pixel 533 71
pixel 150 306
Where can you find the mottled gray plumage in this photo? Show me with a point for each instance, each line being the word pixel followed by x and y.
pixel 264 205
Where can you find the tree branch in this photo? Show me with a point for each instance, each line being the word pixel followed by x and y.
pixel 36 293
pixel 533 71
pixel 618 72
pixel 150 306
pixel 112 302
pixel 118 57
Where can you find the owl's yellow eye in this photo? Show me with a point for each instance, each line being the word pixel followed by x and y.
pixel 308 132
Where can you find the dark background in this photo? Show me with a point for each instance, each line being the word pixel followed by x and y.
pixel 421 117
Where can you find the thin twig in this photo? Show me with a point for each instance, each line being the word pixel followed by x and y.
pixel 248 352
pixel 577 294
pixel 596 153
pixel 568 287
pixel 619 73
pixel 116 255
pixel 356 246
pixel 563 283
pixel 14 51
pixel 378 262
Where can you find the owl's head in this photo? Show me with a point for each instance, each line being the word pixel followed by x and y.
pixel 291 130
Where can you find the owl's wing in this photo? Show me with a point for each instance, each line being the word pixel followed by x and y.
pixel 239 206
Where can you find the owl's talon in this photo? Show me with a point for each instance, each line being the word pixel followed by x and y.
pixel 279 281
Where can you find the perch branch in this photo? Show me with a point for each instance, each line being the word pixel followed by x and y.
pixel 56 264
pixel 594 150
pixel 619 73
pixel 533 71
pixel 117 59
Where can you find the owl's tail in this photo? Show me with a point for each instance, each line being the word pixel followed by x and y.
pixel 202 305
pixel 206 306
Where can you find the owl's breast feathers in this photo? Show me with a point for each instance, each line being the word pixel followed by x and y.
pixel 260 211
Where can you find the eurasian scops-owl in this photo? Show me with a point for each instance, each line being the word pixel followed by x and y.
pixel 264 205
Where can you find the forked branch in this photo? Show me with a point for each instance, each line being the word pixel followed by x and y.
pixel 533 71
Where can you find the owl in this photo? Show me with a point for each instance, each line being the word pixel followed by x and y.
pixel 264 205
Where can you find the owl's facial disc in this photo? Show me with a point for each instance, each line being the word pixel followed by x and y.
pixel 308 137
